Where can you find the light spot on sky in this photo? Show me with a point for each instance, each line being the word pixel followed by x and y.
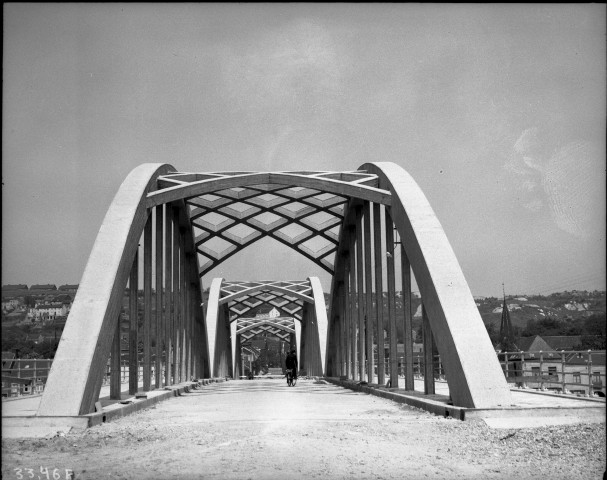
pixel 570 191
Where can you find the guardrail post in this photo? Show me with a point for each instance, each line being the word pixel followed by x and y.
pixel 524 383
pixel 541 364
pixel 33 386
pixel 563 385
pixel 590 392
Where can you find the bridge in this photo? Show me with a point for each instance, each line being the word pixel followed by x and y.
pixel 349 224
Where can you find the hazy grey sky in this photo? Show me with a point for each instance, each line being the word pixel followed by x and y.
pixel 497 111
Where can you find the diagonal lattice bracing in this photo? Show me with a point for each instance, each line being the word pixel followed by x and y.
pixel 287 215
pixel 245 298
pixel 303 210
pixel 281 327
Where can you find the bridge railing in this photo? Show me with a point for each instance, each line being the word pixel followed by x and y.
pixel 28 376
pixel 580 372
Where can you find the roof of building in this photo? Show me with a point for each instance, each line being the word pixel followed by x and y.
pixel 563 342
pixel 64 298
pixel 50 305
pixel 43 287
pixel 598 358
pixel 533 344
pixel 68 287
pixel 14 287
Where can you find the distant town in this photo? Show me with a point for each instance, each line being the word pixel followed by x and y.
pixel 33 317
pixel 566 326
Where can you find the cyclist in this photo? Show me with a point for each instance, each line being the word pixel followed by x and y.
pixel 291 363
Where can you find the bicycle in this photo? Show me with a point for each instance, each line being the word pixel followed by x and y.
pixel 291 379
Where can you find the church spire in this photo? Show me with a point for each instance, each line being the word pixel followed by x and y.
pixel 506 331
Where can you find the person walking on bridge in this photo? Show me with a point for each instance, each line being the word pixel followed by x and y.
pixel 291 362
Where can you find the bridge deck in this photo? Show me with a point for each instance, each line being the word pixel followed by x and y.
pixel 264 429
pixel 27 406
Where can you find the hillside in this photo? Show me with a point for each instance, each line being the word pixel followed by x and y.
pixel 566 306
pixel 563 313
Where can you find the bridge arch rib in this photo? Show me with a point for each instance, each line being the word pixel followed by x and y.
pixel 451 318
pixel 74 381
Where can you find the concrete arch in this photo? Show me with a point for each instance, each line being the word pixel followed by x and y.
pixel 74 380
pixel 217 339
pixel 331 207
pixel 310 327
pixel 473 373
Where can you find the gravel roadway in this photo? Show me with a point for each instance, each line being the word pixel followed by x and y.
pixel 262 429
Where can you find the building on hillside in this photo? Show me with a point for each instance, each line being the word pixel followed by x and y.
pixel 540 366
pixel 43 287
pixel 580 373
pixel 11 302
pixel 68 288
pixel 7 307
pixel 63 298
pixel 14 287
pixel 25 377
pixel 48 311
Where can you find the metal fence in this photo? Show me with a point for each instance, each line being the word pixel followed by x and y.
pixel 577 372
pixel 580 372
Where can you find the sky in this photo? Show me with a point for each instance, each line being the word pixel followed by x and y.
pixel 497 111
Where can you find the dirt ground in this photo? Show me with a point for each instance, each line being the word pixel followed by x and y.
pixel 262 429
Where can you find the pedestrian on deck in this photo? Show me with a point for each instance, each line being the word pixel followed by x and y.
pixel 291 362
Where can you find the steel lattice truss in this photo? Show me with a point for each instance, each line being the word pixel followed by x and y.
pixel 307 219
pixel 281 327
pixel 245 298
